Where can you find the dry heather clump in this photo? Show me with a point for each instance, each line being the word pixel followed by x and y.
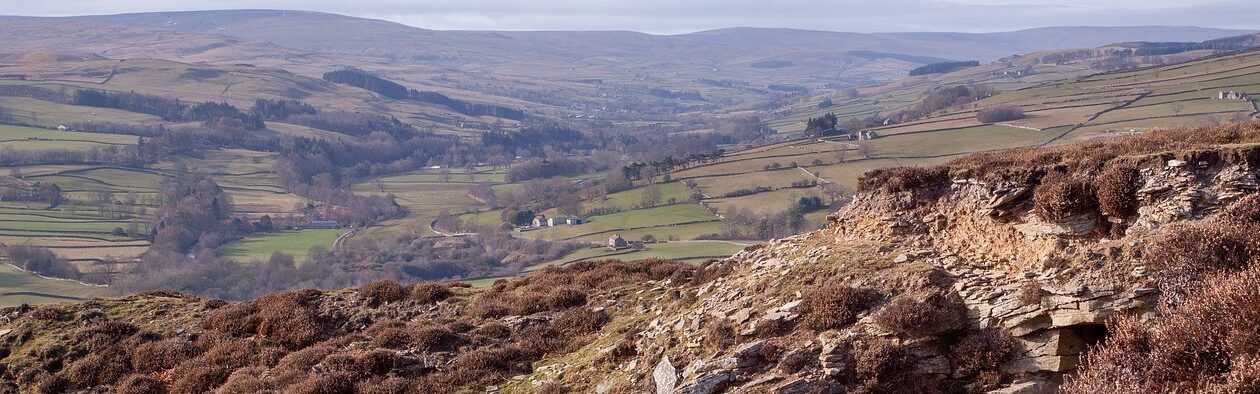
pixel 798 360
pixel 882 367
pixel 1060 196
pixel 391 338
pixel 383 292
pixel 305 359
pixel 288 319
pixel 1117 187
pixel 103 335
pixel 489 364
pixel 922 312
pixel 161 355
pixel 719 334
pixel 245 380
pixel 580 321
pixel 1244 211
pixel 562 298
pixel 835 306
pixel 1209 343
pixel 332 383
pixel 236 319
pixel 140 384
pixel 982 350
pixel 428 293
pixel 200 378
pixel 97 368
pixel 1030 293
pixel 900 179
pixel 434 338
pixel 1186 252
pixel 391 385
pixel 772 328
pixel 493 330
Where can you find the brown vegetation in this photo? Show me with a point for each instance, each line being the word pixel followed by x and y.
pixel 834 306
pixel 1061 196
pixel 922 312
pixel 383 292
pixel 1208 344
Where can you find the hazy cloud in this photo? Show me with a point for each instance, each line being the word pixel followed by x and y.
pixel 677 16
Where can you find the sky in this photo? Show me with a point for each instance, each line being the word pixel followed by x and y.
pixel 683 16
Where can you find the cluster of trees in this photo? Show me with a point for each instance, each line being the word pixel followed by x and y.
pixel 746 224
pixel 1001 113
pixel 943 67
pixel 365 80
pixel 107 127
pixel 942 98
pixel 42 261
pixel 787 88
pixel 467 108
pixel 35 92
pixel 545 168
pixel 676 95
pixel 816 126
pixel 128 156
pixel 654 168
pixel 747 191
pixel 281 109
pixel 351 123
pixel 169 109
pixel 194 212
pixel 40 191
pixel 534 139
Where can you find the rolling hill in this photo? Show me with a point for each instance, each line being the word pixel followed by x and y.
pixel 814 57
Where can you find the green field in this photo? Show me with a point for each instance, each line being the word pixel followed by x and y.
pixel 296 243
pixel 693 251
pixel 625 221
pixel 20 137
pixel 17 287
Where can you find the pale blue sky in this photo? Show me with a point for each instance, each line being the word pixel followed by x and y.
pixel 678 16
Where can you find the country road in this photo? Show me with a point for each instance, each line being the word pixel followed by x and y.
pixel 339 244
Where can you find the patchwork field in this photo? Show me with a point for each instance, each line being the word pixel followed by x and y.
pixel 295 243
pixel 18 287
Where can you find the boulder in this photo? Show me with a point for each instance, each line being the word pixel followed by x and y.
pixel 665 376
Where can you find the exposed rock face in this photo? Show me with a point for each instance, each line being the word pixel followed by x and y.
pixel 1052 286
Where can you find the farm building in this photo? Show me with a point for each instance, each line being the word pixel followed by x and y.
pixel 832 132
pixel 325 224
pixel 616 242
pixel 1232 95
pixel 569 220
pixel 540 221
pixel 62 127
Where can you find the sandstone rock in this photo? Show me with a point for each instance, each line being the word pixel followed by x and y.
pixel 902 258
pixel 749 354
pixel 665 376
pixel 709 383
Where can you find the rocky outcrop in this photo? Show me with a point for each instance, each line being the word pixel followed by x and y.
pixel 1051 285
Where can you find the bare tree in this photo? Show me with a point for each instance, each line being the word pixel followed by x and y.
pixel 1176 107
pixel 865 149
pixel 446 174
pixel 651 196
pixel 842 154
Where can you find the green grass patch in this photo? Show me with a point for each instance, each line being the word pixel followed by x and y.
pixel 17 287
pixel 296 243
